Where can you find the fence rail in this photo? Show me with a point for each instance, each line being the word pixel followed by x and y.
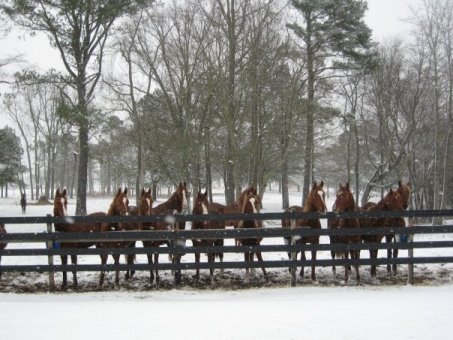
pixel 52 239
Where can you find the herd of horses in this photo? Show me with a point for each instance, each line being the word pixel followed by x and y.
pixel 248 202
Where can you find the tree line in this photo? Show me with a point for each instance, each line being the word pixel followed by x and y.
pixel 238 92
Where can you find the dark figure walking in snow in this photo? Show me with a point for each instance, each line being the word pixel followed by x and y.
pixel 23 202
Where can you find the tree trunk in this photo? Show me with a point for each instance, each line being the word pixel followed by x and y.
pixel 82 177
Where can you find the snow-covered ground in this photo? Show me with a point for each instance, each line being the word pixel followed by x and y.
pixel 229 309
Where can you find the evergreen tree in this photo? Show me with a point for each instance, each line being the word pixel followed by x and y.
pixel 334 36
pixel 10 153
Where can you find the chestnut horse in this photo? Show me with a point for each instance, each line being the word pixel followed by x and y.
pixel 143 209
pixel 404 190
pixel 235 207
pixel 250 203
pixel 60 209
pixel 201 207
pixel 345 202
pixel 176 203
pixel 315 202
pixel 2 244
pixel 391 202
pixel 118 207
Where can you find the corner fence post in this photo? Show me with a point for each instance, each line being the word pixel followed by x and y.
pixel 49 246
pixel 293 253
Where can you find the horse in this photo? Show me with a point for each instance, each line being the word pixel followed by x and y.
pixel 391 202
pixel 2 244
pixel 143 209
pixel 176 203
pixel 118 207
pixel 235 207
pixel 404 190
pixel 345 202
pixel 60 209
pixel 201 207
pixel 250 203
pixel 23 202
pixel 315 202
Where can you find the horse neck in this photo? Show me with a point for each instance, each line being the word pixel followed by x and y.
pixel 308 205
pixel 112 211
pixel 170 204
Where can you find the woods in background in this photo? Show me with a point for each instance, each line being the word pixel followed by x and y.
pixel 246 92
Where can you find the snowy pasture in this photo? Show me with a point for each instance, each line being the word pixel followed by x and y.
pixel 385 307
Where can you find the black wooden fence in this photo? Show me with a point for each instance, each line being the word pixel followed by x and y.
pixel 179 242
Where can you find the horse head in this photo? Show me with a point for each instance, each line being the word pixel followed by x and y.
pixel 315 201
pixel 146 202
pixel 392 201
pixel 182 195
pixel 250 195
pixel 404 190
pixel 120 204
pixel 200 205
pixel 344 200
pixel 60 203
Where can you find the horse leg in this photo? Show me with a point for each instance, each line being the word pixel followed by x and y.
pixel 395 256
pixel 220 243
pixel 313 267
pixel 151 272
pixel 64 262
pixel 346 267
pixel 116 259
pixel 74 272
pixel 355 254
pixel 197 270
pixel 334 270
pixel 211 260
pixel 373 257
pixel 260 258
pixel 303 259
pixel 102 275
pixel 388 240
pixel 156 262
pixel 177 259
pixel 247 259
pixel 130 260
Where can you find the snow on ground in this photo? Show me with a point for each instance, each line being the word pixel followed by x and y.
pixel 229 309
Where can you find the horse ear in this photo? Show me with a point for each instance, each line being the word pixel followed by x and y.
pixel 143 192
pixel 65 192
pixel 149 191
pixel 125 191
pixel 119 192
pixel 205 193
pixel 314 185
pixel 57 193
pixel 321 184
pixel 347 185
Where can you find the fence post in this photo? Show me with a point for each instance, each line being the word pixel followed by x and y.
pixel 50 257
pixel 410 252
pixel 293 253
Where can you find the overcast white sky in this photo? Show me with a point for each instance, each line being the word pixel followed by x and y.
pixel 384 17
